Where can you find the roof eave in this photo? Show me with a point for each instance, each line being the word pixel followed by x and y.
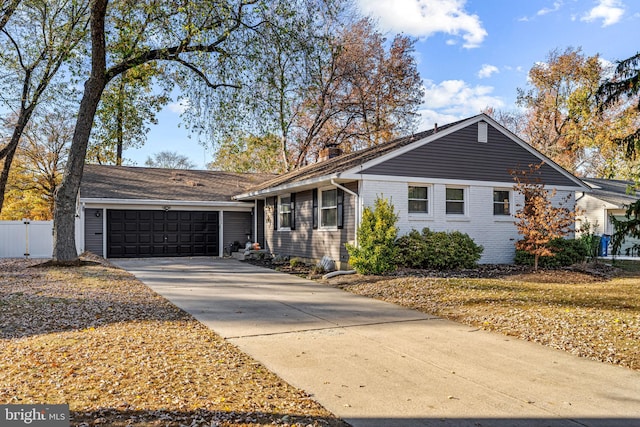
pixel 284 188
pixel 164 202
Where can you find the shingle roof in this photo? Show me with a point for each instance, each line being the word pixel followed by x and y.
pixel 347 161
pixel 126 182
pixel 613 191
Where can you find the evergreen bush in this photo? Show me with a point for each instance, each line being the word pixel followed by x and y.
pixel 437 250
pixel 567 252
pixel 377 233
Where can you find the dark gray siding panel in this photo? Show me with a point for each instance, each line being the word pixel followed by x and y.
pixel 236 227
pixel 260 222
pixel 306 242
pixel 93 233
pixel 460 156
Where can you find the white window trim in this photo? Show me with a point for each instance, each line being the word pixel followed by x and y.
pixel 511 204
pixel 326 227
pixel 280 227
pixel 465 200
pixel 430 193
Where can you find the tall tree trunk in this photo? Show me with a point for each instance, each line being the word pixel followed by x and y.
pixel 120 121
pixel 64 244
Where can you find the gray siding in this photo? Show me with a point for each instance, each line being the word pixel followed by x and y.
pixel 93 233
pixel 459 156
pixel 304 241
pixel 260 222
pixel 236 227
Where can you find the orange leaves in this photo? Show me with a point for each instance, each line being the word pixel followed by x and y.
pixel 119 354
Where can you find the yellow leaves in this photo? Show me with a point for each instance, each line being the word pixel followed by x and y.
pixel 571 311
pixel 143 356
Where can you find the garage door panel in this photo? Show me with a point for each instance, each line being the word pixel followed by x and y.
pixel 145 250
pixel 146 233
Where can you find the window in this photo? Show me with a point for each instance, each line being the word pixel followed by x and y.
pixel 483 132
pixel 285 212
pixel 501 204
pixel 418 199
pixel 455 201
pixel 329 208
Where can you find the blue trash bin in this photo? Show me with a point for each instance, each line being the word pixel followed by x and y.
pixel 604 245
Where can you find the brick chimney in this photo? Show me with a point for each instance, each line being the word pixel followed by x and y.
pixel 329 153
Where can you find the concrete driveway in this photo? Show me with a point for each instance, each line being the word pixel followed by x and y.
pixel 376 364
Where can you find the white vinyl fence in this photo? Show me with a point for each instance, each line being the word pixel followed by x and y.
pixel 19 239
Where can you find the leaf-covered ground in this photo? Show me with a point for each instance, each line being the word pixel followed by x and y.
pixel 119 354
pixel 572 311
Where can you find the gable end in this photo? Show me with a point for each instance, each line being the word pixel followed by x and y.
pixel 459 156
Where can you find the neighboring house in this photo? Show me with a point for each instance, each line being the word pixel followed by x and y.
pixel 607 198
pixel 455 177
pixel 144 212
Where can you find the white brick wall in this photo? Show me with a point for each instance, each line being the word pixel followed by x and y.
pixel 497 234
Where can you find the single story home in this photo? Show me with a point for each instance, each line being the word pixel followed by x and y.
pixel 453 177
pixel 607 198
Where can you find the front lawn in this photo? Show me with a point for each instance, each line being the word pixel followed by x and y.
pixel 579 313
pixel 119 354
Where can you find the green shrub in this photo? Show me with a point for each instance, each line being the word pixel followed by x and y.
pixel 437 250
pixel 296 262
pixel 377 233
pixel 411 250
pixel 567 252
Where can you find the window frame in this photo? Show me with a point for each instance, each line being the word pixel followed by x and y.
pixel 463 201
pixel 322 208
pixel 428 199
pixel 508 212
pixel 281 212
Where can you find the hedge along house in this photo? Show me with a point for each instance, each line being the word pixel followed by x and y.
pixel 455 177
pixel 148 212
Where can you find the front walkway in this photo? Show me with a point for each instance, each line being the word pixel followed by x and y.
pixel 377 364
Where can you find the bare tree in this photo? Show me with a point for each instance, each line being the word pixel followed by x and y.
pixel 169 160
pixel 41 36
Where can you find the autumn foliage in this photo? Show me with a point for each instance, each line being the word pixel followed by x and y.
pixel 539 221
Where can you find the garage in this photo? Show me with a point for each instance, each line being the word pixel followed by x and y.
pixel 150 233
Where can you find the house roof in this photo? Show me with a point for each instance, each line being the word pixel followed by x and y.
pixel 347 164
pixel 346 161
pixel 137 183
pixel 613 191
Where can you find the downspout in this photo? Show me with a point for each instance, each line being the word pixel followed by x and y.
pixel 357 206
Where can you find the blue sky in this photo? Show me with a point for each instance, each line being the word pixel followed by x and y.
pixel 471 54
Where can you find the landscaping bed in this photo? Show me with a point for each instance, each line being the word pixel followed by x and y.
pixel 119 354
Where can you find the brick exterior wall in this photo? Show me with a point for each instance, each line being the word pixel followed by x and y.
pixel 496 233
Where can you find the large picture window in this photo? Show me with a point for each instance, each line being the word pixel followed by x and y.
pixel 501 202
pixel 455 201
pixel 418 199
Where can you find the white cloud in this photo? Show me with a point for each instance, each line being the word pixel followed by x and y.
pixel 452 100
pixel 546 10
pixel 179 107
pixel 487 70
pixel 610 11
pixel 424 18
